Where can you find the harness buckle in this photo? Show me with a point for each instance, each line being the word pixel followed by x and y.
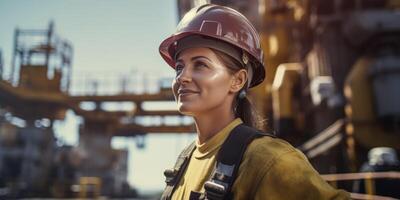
pixel 214 190
pixel 170 175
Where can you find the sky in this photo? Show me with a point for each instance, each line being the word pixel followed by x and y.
pixel 111 39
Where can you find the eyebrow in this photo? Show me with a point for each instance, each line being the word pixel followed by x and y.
pixel 194 58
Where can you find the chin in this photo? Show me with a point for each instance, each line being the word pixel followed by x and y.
pixel 186 109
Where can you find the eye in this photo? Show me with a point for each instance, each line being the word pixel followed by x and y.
pixel 200 64
pixel 178 68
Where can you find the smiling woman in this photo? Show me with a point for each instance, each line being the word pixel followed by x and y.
pixel 198 72
pixel 217 57
pixel 204 87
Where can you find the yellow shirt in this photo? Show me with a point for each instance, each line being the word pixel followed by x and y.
pixel 271 169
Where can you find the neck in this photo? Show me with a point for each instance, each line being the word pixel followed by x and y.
pixel 211 123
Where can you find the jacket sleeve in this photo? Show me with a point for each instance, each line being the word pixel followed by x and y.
pixel 291 176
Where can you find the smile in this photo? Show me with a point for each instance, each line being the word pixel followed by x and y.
pixel 186 92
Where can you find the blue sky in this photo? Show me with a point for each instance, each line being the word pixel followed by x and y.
pixel 110 38
pixel 125 34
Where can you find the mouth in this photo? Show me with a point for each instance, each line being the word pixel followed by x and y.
pixel 185 92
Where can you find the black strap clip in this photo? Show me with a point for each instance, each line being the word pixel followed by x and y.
pixel 170 176
pixel 214 190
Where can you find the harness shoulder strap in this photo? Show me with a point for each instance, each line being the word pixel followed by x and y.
pixel 174 175
pixel 228 161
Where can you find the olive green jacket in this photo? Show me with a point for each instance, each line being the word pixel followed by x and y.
pixel 271 169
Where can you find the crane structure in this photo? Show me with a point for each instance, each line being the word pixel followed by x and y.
pixel 36 94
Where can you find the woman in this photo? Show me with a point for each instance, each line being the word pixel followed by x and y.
pixel 217 57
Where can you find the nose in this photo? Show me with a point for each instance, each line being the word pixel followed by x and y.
pixel 184 76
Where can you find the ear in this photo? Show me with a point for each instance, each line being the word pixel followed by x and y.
pixel 239 80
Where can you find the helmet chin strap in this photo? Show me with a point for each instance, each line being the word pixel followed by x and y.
pixel 243 91
pixel 249 76
pixel 249 69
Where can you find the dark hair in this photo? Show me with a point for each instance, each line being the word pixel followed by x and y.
pixel 243 107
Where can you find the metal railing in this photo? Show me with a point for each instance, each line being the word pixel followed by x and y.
pixel 368 177
pixel 325 140
pixel 114 83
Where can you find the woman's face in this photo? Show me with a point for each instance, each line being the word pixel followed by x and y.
pixel 202 82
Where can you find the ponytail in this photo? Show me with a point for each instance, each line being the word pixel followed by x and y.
pixel 243 107
pixel 247 113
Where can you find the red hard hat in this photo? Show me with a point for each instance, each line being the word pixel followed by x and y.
pixel 220 23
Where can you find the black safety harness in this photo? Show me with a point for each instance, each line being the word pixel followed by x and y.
pixel 229 158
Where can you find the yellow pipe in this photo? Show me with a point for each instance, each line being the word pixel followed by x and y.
pixel 369 186
pixel 286 78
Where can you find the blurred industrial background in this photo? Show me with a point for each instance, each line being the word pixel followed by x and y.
pixel 332 90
